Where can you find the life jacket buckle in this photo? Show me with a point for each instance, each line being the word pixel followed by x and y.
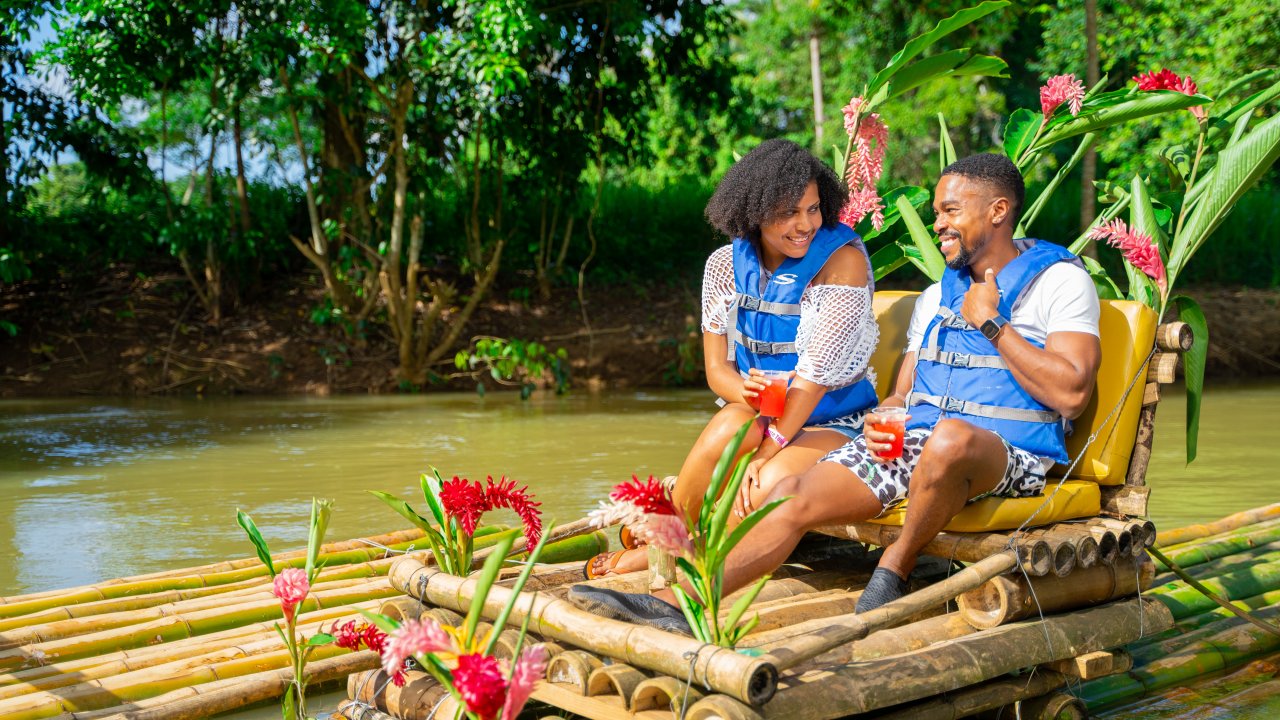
pixel 748 302
pixel 951 404
pixel 960 360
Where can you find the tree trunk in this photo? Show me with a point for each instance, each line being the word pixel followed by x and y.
pixel 815 72
pixel 242 185
pixel 1089 165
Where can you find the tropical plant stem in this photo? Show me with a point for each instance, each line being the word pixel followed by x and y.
pixel 1195 167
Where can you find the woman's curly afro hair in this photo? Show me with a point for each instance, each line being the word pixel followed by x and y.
pixel 771 178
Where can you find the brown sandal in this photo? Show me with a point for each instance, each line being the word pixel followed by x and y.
pixel 611 561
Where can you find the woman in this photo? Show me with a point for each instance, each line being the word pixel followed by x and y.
pixel 792 291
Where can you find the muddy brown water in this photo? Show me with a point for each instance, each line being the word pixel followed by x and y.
pixel 96 489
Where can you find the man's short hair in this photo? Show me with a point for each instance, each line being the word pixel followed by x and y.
pixel 997 171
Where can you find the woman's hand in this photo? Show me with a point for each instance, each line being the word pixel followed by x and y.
pixel 752 385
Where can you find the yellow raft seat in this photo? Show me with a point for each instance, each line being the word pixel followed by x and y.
pixel 1128 332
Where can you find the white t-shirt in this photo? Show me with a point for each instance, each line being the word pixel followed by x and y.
pixel 1060 299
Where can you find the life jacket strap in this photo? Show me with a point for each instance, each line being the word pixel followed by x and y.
pixel 750 302
pixel 995 412
pixel 760 348
pixel 964 360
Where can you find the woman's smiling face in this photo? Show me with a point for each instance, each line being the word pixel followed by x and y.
pixel 790 231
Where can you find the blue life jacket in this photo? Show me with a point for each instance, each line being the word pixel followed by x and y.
pixel 762 325
pixel 959 373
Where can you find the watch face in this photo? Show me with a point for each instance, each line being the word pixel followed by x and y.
pixel 990 329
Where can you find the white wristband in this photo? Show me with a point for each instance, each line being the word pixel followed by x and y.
pixel 777 437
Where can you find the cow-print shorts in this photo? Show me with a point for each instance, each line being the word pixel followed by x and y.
pixel 1023 476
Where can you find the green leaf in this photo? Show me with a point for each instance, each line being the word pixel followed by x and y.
pixel 255 537
pixel 838 160
pixel 724 506
pixel 918 44
pixel 289 703
pixel 1178 159
pixel 915 194
pixel 532 561
pixel 1019 131
pixel 321 510
pixel 1143 104
pixel 931 261
pixel 1107 289
pixel 1142 213
pixel 404 510
pixel 1227 121
pixel 1042 199
pixel 718 474
pixel 694 615
pixel 744 602
pixel 319 639
pixel 1246 79
pixel 488 574
pixel 922 71
pixel 380 621
pixel 750 521
pixel 1239 168
pixel 1193 362
pixel 946 151
pixel 983 66
pixel 887 259
pixel 431 487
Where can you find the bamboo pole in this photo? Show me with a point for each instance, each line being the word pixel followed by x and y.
pixel 1206 655
pixel 1260 555
pixel 865 686
pixel 1184 600
pixel 804 647
pixel 1034 554
pixel 1235 521
pixel 1231 544
pixel 1174 337
pixel 975 699
pixel 420 698
pixel 224 696
pixel 752 680
pixel 1146 653
pixel 1008 598
pixel 891 641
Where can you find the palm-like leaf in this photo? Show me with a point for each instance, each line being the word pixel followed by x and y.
pixel 1111 110
pixel 1193 362
pixel 930 260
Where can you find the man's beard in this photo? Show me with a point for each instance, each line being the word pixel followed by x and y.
pixel 963 255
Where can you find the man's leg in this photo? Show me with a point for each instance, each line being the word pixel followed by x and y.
pixel 959 461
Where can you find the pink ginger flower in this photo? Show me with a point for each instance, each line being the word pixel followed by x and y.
pixel 1060 89
pixel 665 532
pixel 478 679
pixel 866 164
pixel 291 586
pixel 1166 79
pixel 1137 248
pixel 859 205
pixel 529 669
pixel 414 637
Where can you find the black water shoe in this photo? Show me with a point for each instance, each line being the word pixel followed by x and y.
pixel 884 587
pixel 639 608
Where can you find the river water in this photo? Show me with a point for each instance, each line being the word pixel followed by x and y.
pixel 95 489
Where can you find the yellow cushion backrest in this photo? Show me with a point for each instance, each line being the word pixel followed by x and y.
pixel 1128 332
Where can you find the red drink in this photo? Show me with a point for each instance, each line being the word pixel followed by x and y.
pixel 773 398
pixel 894 423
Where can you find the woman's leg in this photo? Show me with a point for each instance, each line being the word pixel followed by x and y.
pixel 796 458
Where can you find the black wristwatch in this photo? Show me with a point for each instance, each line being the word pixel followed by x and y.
pixel 991 328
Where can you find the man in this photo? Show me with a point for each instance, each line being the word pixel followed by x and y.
pixel 999 352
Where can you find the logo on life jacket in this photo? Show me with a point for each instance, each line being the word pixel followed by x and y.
pixel 785 278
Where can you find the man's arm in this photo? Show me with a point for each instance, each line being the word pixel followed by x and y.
pixel 1061 375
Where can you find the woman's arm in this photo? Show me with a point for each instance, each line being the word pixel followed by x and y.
pixel 722 373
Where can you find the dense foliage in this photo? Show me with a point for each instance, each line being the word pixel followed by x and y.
pixel 414 157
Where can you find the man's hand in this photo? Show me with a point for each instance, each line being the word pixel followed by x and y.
pixel 982 301
pixel 878 442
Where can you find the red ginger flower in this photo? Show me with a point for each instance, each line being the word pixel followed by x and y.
pixel 504 494
pixel 478 679
pixel 466 501
pixel 291 586
pixel 346 636
pixel 648 496
pixel 529 669
pixel 1166 79
pixel 1060 89
pixel 1137 247
pixel 866 164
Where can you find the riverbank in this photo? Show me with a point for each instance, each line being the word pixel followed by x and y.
pixel 129 334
